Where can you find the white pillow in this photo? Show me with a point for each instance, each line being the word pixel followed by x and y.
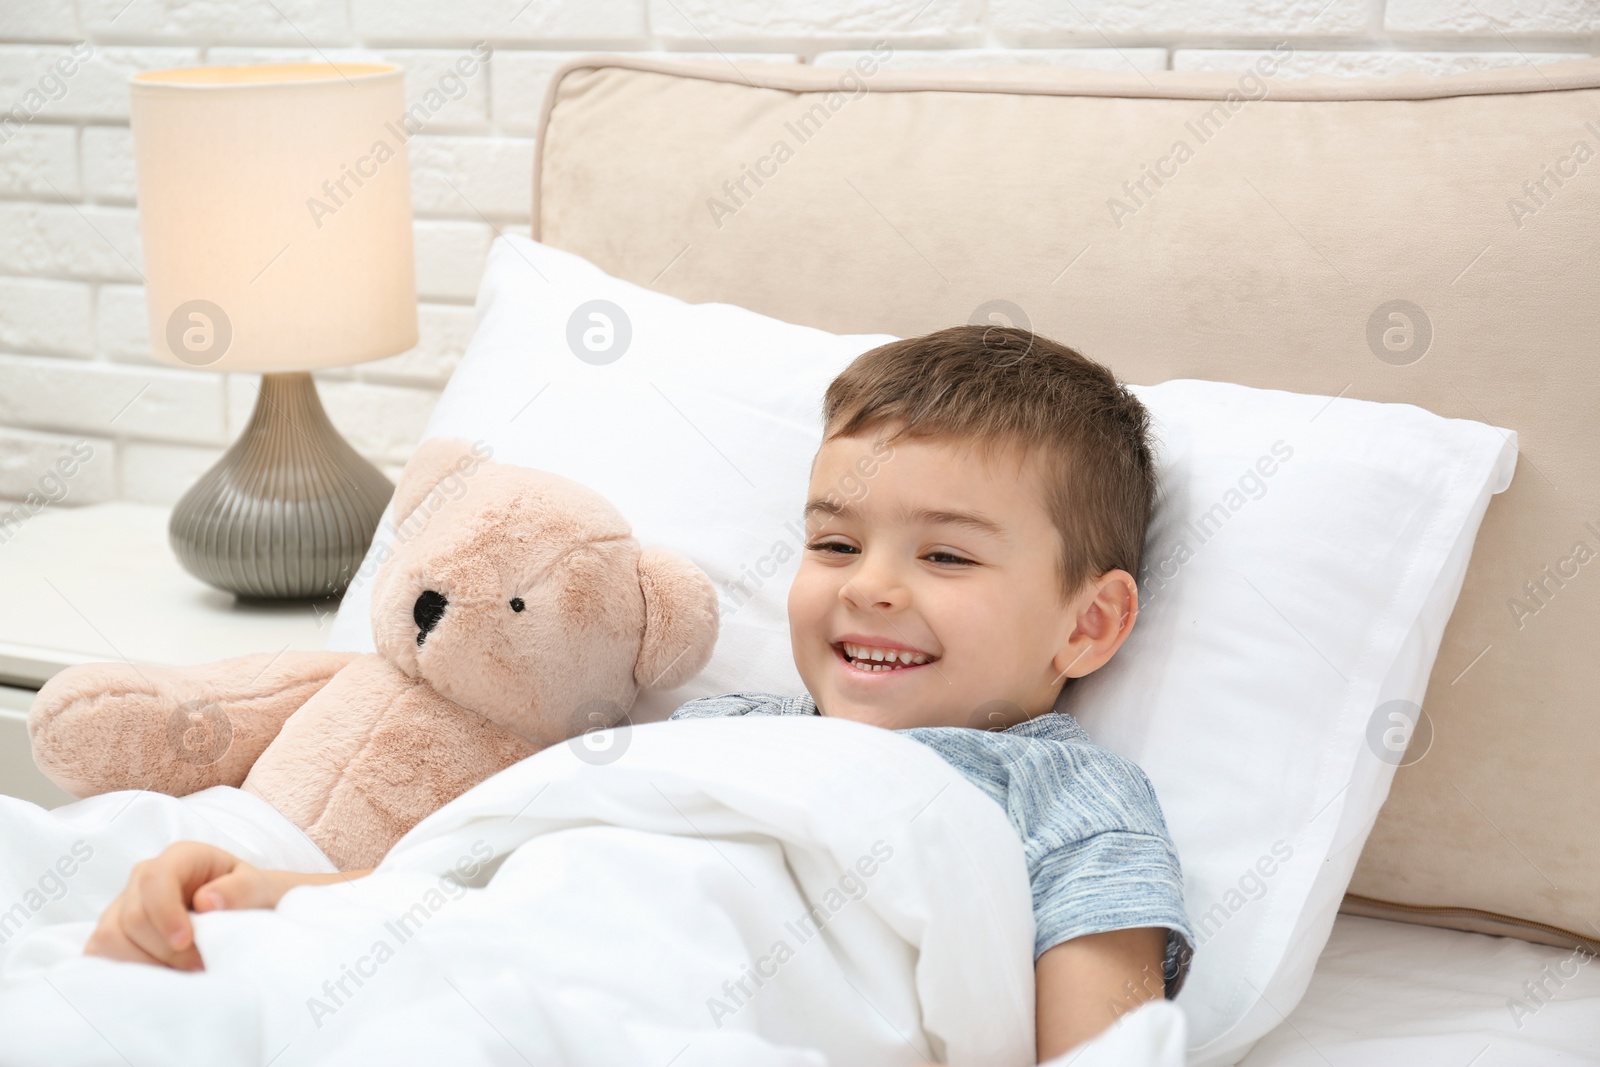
pixel 702 431
pixel 1297 578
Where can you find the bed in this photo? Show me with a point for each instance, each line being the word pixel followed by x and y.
pixel 1399 993
pixel 1304 220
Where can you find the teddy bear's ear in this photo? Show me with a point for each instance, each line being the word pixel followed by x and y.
pixel 434 460
pixel 680 620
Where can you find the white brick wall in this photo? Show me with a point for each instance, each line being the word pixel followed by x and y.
pixel 75 366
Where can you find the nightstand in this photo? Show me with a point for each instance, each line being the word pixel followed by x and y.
pixel 80 585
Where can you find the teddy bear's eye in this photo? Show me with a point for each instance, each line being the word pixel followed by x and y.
pixel 517 604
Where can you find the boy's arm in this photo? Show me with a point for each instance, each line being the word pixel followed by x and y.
pixel 149 921
pixel 1084 985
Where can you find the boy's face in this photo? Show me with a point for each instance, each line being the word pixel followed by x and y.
pixel 945 557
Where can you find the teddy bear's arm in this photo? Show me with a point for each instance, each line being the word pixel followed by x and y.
pixel 101 727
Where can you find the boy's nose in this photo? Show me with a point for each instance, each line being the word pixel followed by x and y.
pixel 873 587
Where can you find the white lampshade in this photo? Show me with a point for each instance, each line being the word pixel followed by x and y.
pixel 275 207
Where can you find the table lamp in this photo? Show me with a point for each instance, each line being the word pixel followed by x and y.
pixel 275 210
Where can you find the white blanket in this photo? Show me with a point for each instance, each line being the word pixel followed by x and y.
pixel 753 892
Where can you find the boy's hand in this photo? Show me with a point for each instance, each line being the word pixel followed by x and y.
pixel 148 922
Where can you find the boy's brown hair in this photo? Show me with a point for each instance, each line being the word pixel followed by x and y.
pixel 999 386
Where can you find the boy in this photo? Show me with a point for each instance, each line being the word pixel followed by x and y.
pixel 988 558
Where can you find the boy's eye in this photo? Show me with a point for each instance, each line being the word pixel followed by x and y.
pixel 839 548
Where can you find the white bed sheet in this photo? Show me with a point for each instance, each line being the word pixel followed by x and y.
pixel 776 892
pixel 1389 994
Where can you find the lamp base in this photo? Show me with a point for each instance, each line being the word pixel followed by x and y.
pixel 289 510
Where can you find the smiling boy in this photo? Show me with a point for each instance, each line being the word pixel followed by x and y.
pixel 987 559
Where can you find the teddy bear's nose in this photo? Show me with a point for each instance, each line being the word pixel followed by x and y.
pixel 428 611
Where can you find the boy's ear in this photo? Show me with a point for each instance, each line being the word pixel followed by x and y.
pixel 1103 617
pixel 433 461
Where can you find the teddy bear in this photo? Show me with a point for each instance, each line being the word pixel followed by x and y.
pixel 514 610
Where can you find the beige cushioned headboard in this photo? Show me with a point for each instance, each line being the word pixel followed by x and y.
pixel 1262 256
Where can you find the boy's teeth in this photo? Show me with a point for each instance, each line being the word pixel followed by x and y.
pixel 867 657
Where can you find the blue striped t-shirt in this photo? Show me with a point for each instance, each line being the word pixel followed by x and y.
pixel 1098 853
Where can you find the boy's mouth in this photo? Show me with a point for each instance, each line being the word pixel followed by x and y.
pixel 878 659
